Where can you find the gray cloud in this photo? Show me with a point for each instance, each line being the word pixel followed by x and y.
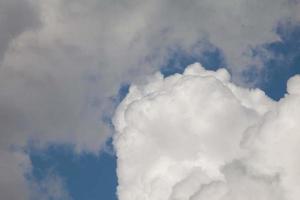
pixel 16 17
pixel 62 60
pixel 52 187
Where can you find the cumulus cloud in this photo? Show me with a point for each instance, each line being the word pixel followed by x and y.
pixel 62 60
pixel 198 136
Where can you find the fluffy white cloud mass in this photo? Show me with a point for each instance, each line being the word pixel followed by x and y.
pixel 62 60
pixel 198 136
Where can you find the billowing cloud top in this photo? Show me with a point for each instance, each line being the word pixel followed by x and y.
pixel 196 136
pixel 62 60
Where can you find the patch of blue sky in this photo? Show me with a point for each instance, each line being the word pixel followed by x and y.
pixel 285 61
pixel 211 58
pixel 86 176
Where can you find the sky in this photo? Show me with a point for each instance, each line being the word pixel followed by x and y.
pixel 71 71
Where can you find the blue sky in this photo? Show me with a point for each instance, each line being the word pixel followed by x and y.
pixel 90 177
pixel 86 176
pixel 65 65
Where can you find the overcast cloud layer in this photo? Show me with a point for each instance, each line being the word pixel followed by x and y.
pixel 61 61
pixel 198 136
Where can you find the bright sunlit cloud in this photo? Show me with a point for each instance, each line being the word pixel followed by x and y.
pixel 63 61
pixel 199 136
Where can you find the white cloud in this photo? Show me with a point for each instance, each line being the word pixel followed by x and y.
pixel 67 58
pixel 61 60
pixel 199 136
